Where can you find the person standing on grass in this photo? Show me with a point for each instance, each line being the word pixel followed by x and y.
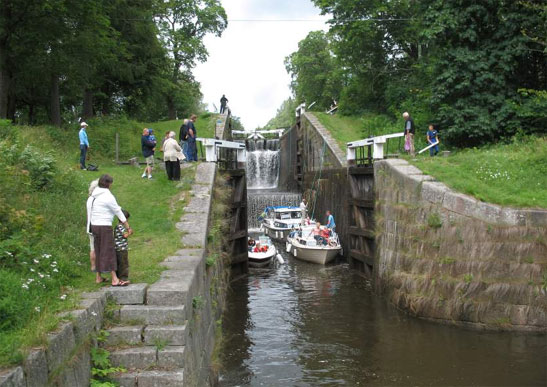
pixel 101 209
pixel 183 137
pixel 122 249
pixel 84 145
pixel 94 184
pixel 432 137
pixel 192 135
pixel 148 148
pixel 172 156
pixel 409 132
pixel 223 102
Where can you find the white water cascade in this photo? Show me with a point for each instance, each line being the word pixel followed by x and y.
pixel 262 164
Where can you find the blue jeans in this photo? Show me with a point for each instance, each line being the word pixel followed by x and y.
pixel 434 150
pixel 184 146
pixel 83 153
pixel 192 150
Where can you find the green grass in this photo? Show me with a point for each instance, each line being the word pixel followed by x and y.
pixel 510 174
pixel 34 222
pixel 345 129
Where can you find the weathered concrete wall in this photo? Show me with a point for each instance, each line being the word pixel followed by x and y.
pixel 315 137
pixel 445 256
pixel 287 144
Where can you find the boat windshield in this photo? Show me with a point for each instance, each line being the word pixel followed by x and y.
pixel 264 241
pixel 288 215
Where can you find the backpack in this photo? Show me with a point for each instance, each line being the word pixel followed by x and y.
pixel 183 132
pixel 92 167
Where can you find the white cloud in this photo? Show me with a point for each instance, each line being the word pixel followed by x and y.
pixel 246 63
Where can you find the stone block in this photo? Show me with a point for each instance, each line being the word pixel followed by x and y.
pixel 134 358
pixel 77 372
pixel 535 217
pixel 169 292
pixel 124 335
pixel 172 334
pixel 196 238
pixel 35 366
pixel 155 315
pixel 487 212
pixel 127 295
pixel 200 205
pixel 433 192
pixel 125 379
pixel 200 190
pixel 205 173
pixel 171 357
pixel 60 346
pixel 95 309
pixel 459 203
pixel 160 379
pixel 13 377
pixel 84 324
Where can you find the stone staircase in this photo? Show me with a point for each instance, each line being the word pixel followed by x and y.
pixel 149 335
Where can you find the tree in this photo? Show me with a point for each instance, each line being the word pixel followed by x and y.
pixel 182 26
pixel 313 71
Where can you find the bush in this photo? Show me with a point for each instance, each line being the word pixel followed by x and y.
pixel 41 166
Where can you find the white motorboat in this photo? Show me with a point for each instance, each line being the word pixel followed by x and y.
pixel 278 222
pixel 304 245
pixel 265 252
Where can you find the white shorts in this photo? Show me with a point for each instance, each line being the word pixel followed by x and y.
pixel 91 242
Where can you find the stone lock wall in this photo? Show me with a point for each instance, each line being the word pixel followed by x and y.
pixel 445 256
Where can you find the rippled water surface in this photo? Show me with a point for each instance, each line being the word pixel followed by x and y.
pixel 305 325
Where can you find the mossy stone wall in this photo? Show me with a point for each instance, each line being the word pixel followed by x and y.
pixel 445 256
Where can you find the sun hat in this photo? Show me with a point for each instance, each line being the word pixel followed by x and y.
pixel 83 124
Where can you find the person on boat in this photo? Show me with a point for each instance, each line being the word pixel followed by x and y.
pixel 330 222
pixel 316 232
pixel 304 210
pixel 260 249
pixel 325 235
pixel 251 244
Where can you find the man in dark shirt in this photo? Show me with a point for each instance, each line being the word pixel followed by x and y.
pixel 148 147
pixel 191 138
pixel 183 138
pixel 223 102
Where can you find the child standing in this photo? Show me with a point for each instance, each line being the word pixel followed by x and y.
pixel 122 254
pixel 433 138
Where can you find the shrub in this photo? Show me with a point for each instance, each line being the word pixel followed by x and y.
pixel 41 166
pixel 434 220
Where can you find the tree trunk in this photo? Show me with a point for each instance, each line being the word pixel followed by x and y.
pixel 31 114
pixel 4 92
pixel 87 104
pixel 55 102
pixel 171 112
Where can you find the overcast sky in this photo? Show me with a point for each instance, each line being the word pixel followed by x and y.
pixel 246 63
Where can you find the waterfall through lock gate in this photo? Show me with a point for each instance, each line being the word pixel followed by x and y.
pixel 262 164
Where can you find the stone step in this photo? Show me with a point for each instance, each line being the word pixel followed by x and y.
pixel 152 314
pixel 168 292
pixel 145 357
pixel 168 334
pixel 150 379
pixel 130 335
pixel 132 294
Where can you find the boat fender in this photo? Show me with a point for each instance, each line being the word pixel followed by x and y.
pixel 287 247
pixel 295 252
pixel 280 259
pixel 332 244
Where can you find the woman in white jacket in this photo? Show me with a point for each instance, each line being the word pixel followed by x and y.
pixel 172 155
pixel 101 208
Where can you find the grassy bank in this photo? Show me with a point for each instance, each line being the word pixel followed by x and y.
pixel 44 250
pixel 507 174
pixel 512 174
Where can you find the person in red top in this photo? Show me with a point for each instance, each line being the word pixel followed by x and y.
pixel 257 248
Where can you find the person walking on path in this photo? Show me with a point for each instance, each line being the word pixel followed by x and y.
pixel 84 145
pixel 183 137
pixel 409 133
pixel 223 102
pixel 330 222
pixel 432 137
pixel 122 249
pixel 148 148
pixel 172 156
pixel 101 209
pixel 192 135
pixel 304 210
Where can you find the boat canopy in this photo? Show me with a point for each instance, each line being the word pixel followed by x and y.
pixel 277 209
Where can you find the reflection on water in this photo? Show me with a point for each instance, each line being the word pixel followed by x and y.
pixel 304 325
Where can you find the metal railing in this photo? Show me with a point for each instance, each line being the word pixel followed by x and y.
pixel 228 154
pixel 364 152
